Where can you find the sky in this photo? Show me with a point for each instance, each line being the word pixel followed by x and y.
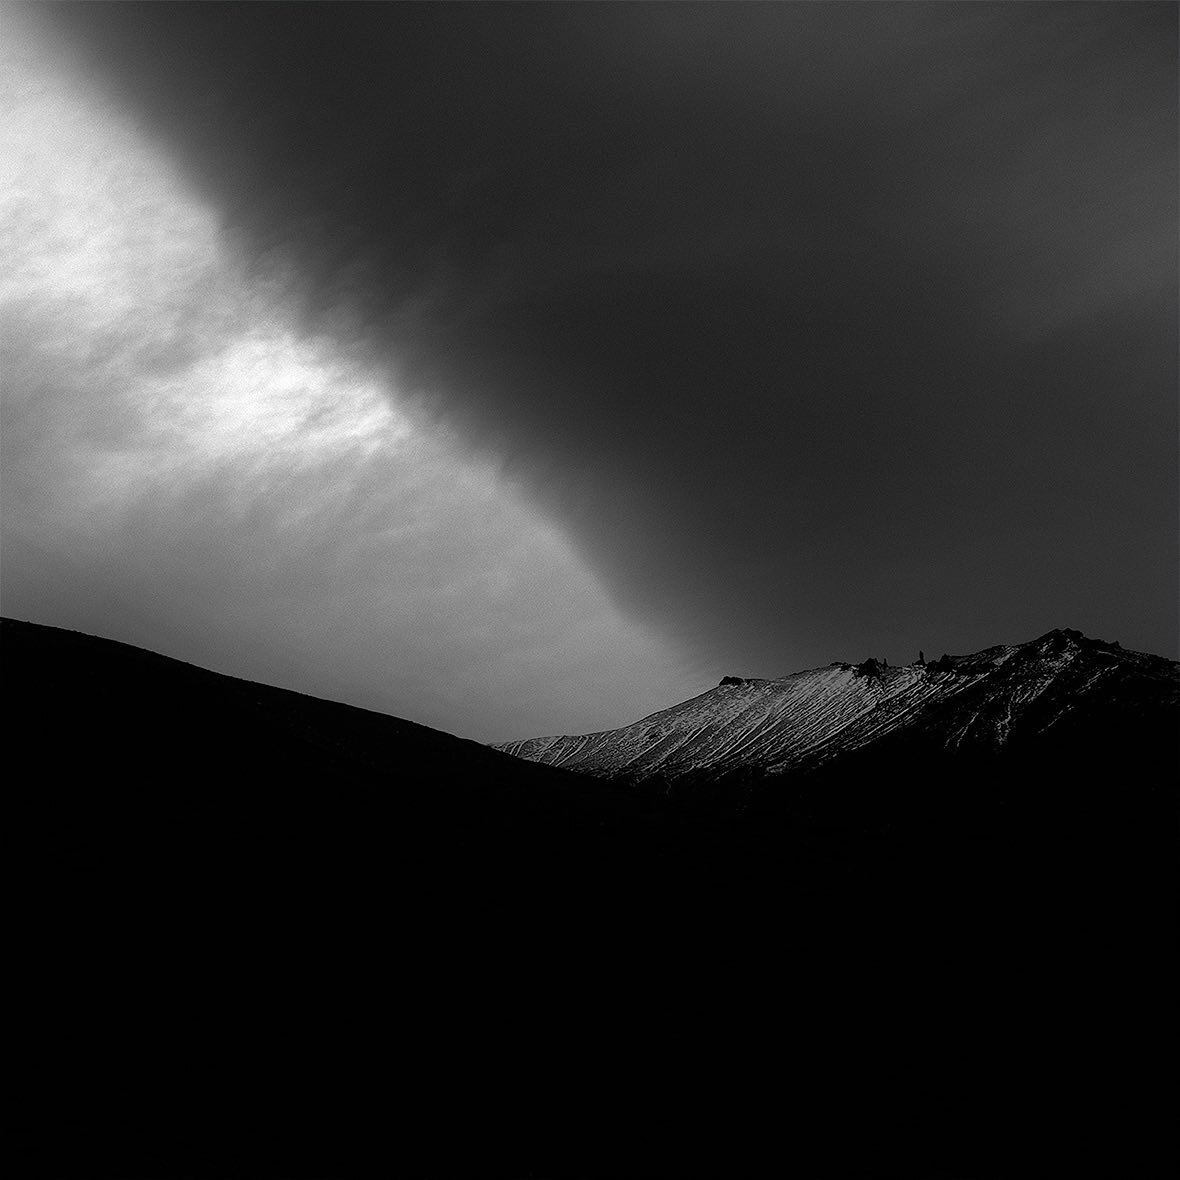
pixel 522 369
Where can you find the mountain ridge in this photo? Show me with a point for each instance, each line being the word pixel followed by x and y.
pixel 282 937
pixel 983 704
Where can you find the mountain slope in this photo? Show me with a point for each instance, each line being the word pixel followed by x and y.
pixel 997 701
pixel 272 936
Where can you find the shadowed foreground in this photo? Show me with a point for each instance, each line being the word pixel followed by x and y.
pixel 277 936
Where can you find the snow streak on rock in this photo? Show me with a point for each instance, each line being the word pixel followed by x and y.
pixel 974 702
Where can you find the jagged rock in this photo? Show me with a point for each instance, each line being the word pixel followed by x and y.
pixel 871 667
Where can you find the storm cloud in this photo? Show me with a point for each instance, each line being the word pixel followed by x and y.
pixel 815 330
pixel 186 468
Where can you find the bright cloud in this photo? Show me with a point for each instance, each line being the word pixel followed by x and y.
pixel 183 468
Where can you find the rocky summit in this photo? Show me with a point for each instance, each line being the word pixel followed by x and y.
pixel 1062 692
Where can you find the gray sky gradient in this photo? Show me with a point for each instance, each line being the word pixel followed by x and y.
pixel 810 331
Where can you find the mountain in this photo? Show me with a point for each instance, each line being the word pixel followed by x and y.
pixel 163 729
pixel 271 936
pixel 1010 704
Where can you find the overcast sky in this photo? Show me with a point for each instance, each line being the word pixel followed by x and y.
pixel 521 369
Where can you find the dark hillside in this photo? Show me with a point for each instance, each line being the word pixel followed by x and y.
pixel 277 936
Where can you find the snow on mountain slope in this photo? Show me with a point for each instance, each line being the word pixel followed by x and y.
pixel 979 702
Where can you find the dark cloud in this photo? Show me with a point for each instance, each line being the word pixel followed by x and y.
pixel 821 328
pixel 185 470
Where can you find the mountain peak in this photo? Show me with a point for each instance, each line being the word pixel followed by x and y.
pixel 986 702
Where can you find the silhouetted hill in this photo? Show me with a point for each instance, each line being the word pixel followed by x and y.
pixel 277 936
pixel 271 927
pixel 162 730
